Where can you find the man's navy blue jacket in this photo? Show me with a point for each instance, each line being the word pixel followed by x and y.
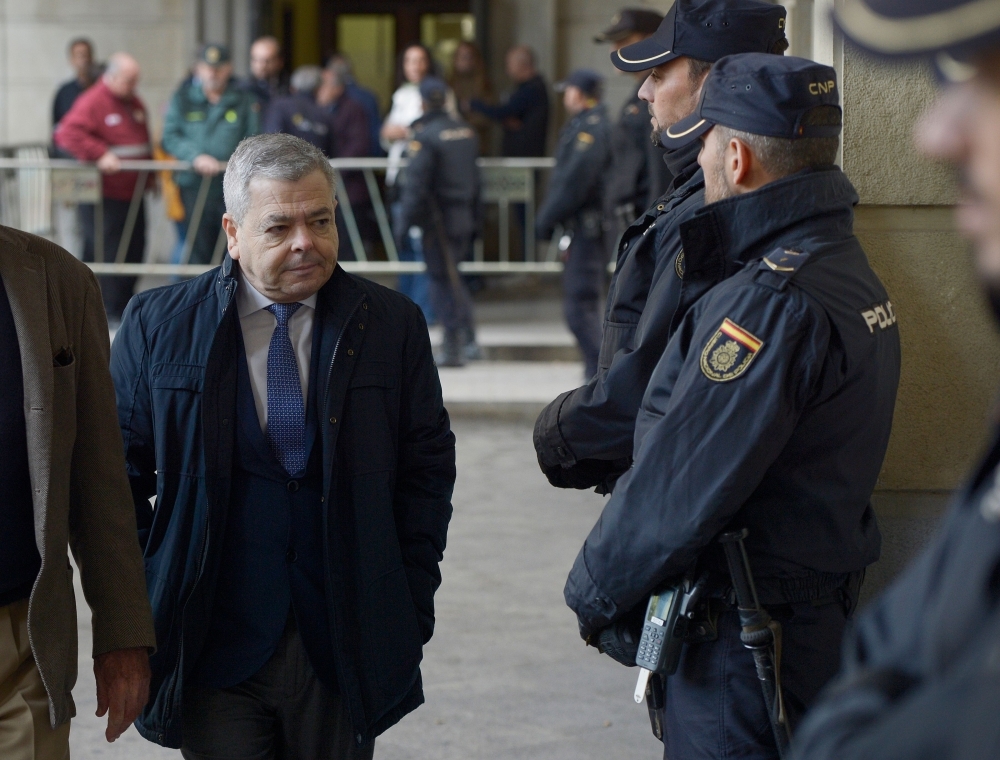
pixel 575 187
pixel 919 678
pixel 770 409
pixel 388 469
pixel 584 437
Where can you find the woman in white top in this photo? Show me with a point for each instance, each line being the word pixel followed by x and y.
pixel 407 107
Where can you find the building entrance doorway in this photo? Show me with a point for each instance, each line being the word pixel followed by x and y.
pixel 374 33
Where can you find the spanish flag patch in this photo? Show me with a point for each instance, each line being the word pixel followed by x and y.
pixel 729 353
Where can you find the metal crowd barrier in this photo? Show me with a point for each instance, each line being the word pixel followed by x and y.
pixel 31 183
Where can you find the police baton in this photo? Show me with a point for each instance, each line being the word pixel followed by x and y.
pixel 761 635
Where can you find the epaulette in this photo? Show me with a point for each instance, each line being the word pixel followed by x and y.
pixel 779 267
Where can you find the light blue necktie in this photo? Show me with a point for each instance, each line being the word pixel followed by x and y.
pixel 286 417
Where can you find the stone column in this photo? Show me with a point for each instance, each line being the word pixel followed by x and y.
pixel 950 347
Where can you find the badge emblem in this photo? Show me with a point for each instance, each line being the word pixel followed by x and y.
pixel 729 353
pixel 679 264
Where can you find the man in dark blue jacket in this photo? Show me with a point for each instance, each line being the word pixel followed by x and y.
pixel 574 201
pixel 288 418
pixel 584 438
pixel 918 679
pixel 770 410
pixel 525 115
pixel 299 114
pixel 440 191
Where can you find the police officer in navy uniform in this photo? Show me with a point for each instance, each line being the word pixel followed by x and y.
pixel 584 437
pixel 637 175
pixel 574 200
pixel 440 190
pixel 299 114
pixel 919 677
pixel 770 410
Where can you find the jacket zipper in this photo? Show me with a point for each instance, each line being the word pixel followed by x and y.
pixel 326 396
pixel 169 707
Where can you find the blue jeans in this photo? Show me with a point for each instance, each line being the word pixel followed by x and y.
pixel 415 286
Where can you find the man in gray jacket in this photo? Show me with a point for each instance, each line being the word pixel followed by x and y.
pixel 62 481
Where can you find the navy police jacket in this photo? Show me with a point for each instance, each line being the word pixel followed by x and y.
pixel 637 175
pixel 576 184
pixel 299 115
pixel 919 674
pixel 770 409
pixel 442 172
pixel 388 459
pixel 584 437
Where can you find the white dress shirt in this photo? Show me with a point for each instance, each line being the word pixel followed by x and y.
pixel 258 326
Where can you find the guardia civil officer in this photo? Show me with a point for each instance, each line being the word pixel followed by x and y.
pixel 440 189
pixel 638 174
pixel 207 118
pixel 919 677
pixel 770 410
pixel 584 437
pixel 574 201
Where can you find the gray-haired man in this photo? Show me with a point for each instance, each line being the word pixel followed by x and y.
pixel 288 418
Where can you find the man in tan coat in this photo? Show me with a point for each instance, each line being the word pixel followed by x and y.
pixel 62 481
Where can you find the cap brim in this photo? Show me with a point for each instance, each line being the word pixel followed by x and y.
pixel 612 35
pixel 685 132
pixel 642 56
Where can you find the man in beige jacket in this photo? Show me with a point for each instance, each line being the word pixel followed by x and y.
pixel 62 481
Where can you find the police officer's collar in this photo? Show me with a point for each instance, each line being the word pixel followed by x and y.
pixel 744 225
pixel 682 163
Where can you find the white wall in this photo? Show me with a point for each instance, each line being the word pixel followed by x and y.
pixel 33 38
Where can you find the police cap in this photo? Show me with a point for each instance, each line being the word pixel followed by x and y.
pixel 434 90
pixel 630 21
pixel 707 30
pixel 760 94
pixel 587 81
pixel 213 54
pixel 948 30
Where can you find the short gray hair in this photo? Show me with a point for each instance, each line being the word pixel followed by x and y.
pixel 272 156
pixel 782 157
pixel 306 79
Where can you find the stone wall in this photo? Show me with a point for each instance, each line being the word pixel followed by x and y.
pixel 950 348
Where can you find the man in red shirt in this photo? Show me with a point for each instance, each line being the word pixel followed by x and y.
pixel 107 124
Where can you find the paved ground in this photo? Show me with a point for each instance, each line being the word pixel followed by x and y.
pixel 506 675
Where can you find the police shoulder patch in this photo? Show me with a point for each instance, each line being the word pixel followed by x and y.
pixel 729 353
pixel 679 264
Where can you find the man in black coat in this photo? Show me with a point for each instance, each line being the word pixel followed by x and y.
pixel 574 201
pixel 638 175
pixel 918 678
pixel 288 419
pixel 584 437
pixel 525 114
pixel 440 189
pixel 299 114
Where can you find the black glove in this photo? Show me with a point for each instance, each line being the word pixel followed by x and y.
pixel 586 473
pixel 620 641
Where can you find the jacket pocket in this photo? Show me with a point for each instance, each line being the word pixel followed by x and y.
pixel 175 390
pixel 617 335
